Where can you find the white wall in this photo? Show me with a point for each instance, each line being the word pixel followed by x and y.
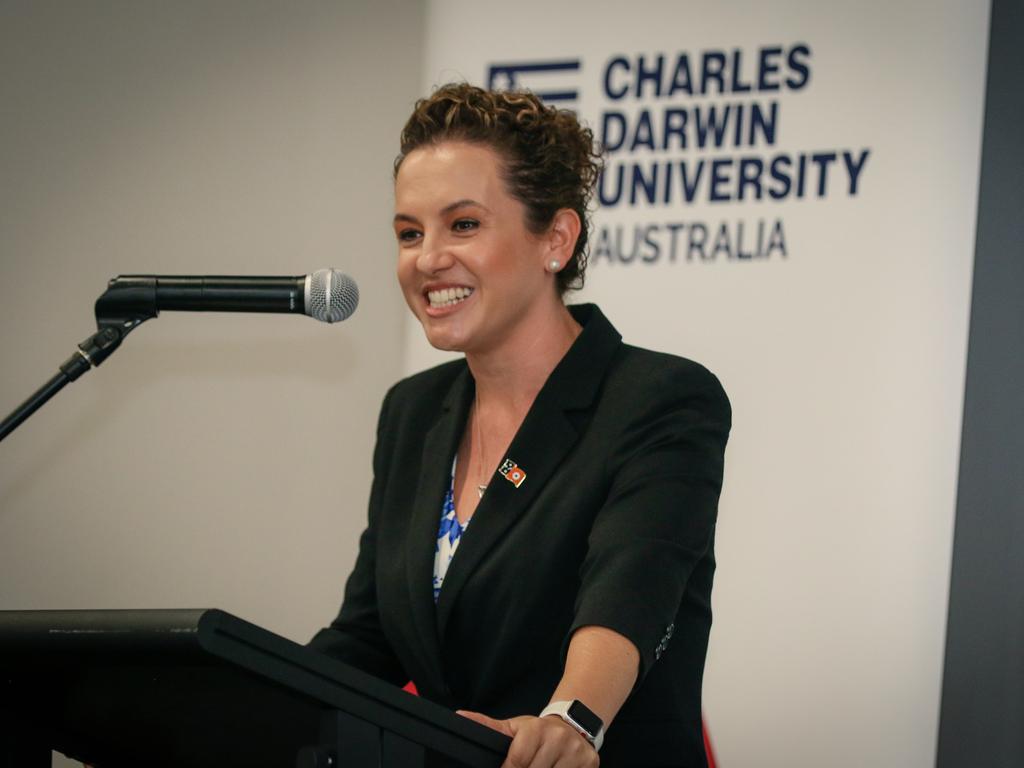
pixel 214 460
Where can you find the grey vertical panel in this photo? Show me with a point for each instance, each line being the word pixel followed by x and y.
pixel 982 718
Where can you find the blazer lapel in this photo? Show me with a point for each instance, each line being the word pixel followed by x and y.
pixel 545 437
pixel 439 446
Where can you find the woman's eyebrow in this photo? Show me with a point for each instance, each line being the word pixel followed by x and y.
pixel 463 203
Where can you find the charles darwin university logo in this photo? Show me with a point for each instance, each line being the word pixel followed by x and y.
pixel 555 81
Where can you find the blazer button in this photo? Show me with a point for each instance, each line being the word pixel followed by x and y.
pixel 660 649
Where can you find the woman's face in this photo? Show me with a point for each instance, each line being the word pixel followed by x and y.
pixel 471 271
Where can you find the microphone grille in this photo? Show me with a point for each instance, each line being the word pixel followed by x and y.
pixel 331 296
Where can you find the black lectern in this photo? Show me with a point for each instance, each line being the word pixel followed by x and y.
pixel 202 688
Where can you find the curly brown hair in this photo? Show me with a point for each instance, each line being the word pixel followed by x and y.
pixel 549 158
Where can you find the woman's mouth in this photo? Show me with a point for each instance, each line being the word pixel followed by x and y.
pixel 447 297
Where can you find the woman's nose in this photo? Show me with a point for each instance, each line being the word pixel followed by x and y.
pixel 434 257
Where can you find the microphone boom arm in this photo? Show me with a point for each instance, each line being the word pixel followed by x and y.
pixel 119 310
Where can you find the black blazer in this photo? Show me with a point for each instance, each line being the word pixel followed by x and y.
pixel 612 526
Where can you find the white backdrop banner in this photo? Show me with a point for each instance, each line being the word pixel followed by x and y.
pixel 789 198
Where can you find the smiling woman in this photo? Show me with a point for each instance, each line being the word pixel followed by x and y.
pixel 548 160
pixel 474 274
pixel 542 513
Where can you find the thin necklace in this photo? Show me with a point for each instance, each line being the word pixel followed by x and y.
pixel 477 430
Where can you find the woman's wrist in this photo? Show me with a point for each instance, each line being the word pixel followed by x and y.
pixel 580 718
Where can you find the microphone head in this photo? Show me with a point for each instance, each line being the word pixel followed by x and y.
pixel 330 295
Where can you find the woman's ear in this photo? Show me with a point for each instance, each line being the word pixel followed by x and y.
pixel 562 236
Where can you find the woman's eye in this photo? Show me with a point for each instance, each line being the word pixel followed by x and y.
pixel 465 225
pixel 408 235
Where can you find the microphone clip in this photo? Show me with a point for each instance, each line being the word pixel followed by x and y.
pixel 126 304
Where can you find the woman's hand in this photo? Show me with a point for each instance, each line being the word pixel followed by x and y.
pixel 541 742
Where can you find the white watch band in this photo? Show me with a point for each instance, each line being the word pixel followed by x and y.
pixel 561 709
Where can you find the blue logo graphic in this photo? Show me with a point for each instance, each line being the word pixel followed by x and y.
pixel 552 81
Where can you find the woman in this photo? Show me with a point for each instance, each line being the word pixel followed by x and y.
pixel 539 548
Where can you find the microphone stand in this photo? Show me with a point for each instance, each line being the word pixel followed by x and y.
pixel 121 309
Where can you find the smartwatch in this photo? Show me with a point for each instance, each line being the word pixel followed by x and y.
pixel 580 717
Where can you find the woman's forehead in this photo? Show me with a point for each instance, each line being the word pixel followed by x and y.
pixel 443 173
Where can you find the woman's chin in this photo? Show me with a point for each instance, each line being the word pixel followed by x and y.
pixel 444 346
pixel 444 333
pixel 445 342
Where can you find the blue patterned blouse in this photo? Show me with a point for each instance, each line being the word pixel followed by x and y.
pixel 449 534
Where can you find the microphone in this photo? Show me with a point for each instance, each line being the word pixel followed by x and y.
pixel 326 295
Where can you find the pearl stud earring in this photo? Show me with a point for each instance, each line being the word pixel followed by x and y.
pixel 554 265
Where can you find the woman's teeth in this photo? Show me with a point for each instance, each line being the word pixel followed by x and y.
pixel 448 296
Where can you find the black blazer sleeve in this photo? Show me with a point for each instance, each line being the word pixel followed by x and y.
pixel 658 520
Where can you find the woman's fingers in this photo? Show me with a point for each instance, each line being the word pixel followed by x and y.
pixel 540 742
pixel 501 726
pixel 549 742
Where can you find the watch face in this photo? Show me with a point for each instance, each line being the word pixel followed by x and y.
pixel 591 723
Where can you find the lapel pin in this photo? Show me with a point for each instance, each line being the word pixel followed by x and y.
pixel 512 472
